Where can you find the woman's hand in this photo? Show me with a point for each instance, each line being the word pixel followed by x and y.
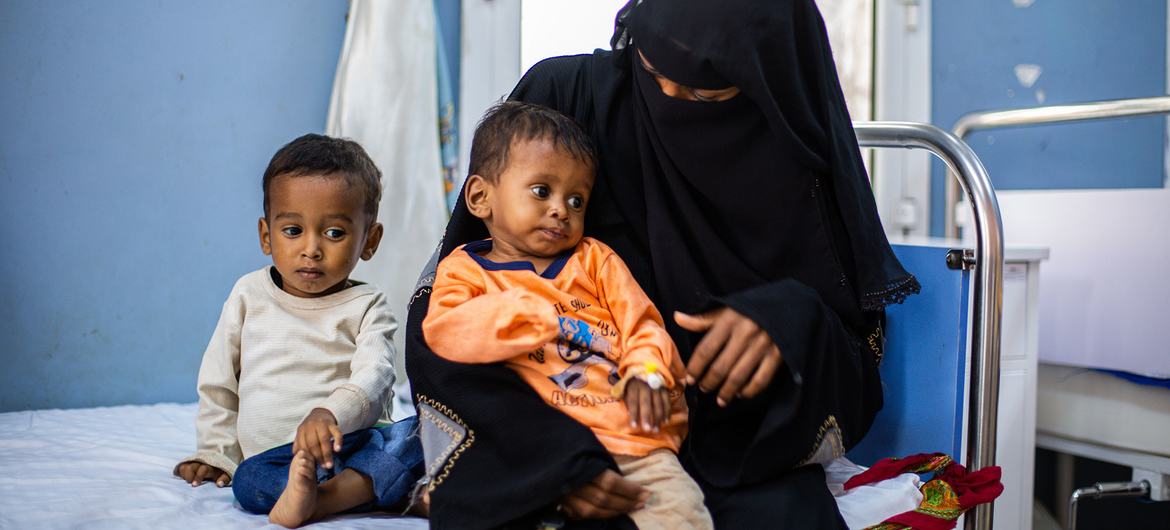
pixel 735 356
pixel 608 495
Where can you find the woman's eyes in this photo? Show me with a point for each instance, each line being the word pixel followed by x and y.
pixel 701 96
pixel 714 95
pixel 576 202
pixel 291 231
pixel 541 191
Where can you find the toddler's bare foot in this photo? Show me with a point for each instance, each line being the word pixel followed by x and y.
pixel 298 501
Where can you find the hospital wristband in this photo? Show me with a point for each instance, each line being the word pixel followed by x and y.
pixel 647 372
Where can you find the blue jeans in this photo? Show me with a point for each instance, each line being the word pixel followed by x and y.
pixel 390 456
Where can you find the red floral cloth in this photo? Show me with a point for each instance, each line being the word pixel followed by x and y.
pixel 945 497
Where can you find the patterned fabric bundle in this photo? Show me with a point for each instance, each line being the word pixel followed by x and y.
pixel 945 497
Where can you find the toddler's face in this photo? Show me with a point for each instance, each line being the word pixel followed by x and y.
pixel 537 205
pixel 316 231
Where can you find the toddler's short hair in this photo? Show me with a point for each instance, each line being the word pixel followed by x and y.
pixel 512 121
pixel 317 154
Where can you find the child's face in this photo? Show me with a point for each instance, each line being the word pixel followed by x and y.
pixel 536 208
pixel 315 231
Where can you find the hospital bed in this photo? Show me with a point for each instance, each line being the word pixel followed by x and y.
pixel 111 467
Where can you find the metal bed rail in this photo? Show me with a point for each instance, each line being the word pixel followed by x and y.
pixel 987 306
pixel 1094 110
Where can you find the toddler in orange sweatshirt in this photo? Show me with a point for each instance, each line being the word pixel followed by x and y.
pixel 561 310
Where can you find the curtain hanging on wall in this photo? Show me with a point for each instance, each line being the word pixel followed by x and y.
pixel 448 118
pixel 850 27
pixel 385 97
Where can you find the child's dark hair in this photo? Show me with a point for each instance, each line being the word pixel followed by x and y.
pixel 512 121
pixel 316 154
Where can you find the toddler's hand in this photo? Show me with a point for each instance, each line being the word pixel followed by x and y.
pixel 196 473
pixel 320 436
pixel 648 408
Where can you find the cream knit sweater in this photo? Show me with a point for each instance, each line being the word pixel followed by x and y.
pixel 274 357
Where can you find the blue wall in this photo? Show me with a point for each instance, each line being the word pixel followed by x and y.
pixel 132 142
pixel 1088 50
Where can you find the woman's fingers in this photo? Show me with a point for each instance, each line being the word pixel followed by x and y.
pixel 578 507
pixel 608 495
pixel 740 337
pixel 772 361
pixel 744 367
pixel 696 323
pixel 718 331
pixel 625 493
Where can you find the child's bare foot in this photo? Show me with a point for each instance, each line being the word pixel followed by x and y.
pixel 298 501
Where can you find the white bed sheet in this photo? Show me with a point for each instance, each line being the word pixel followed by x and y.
pixel 110 467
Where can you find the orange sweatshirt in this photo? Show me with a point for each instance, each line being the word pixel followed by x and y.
pixel 571 333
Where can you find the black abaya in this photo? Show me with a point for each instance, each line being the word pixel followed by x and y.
pixel 759 203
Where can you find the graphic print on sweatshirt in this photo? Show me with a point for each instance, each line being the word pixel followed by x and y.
pixel 582 347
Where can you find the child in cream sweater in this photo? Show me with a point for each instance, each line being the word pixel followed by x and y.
pixel 295 385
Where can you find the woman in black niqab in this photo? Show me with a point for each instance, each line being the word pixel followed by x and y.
pixel 757 207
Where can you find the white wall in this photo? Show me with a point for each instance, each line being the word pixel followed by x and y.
pixel 549 28
pixel 1104 290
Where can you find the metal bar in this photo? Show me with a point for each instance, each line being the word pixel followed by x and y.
pixel 988 288
pixel 1096 110
pixel 1104 490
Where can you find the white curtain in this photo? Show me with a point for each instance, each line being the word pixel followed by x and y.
pixel 384 97
pixel 850 27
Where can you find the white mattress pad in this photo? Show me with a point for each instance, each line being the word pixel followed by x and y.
pixel 110 467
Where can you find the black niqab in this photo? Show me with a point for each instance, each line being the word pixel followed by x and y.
pixel 724 183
